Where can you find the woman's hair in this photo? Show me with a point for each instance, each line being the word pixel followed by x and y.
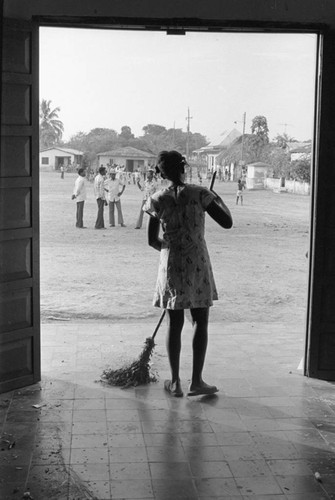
pixel 170 164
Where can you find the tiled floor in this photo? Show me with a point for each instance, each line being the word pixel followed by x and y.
pixel 264 436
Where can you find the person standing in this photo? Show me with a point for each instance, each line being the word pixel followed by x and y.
pixel 185 277
pixel 239 194
pixel 99 192
pixel 115 189
pixel 79 194
pixel 62 172
pixel 149 188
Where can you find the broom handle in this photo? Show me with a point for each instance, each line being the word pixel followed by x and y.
pixel 158 324
pixel 212 181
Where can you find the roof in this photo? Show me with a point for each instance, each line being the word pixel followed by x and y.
pixel 64 150
pixel 128 152
pixel 305 148
pixel 225 139
pixel 259 164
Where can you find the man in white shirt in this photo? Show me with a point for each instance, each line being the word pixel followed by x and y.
pixel 79 194
pixel 99 192
pixel 115 189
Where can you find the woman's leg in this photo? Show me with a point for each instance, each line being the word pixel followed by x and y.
pixel 173 346
pixel 200 341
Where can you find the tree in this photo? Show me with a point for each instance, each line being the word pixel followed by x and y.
pixel 51 128
pixel 159 138
pixel 259 127
pixel 300 170
pixel 98 140
pixel 126 133
pixel 152 129
pixel 283 139
pixel 280 162
pixel 260 136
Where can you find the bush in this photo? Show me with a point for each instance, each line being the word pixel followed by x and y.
pixel 300 170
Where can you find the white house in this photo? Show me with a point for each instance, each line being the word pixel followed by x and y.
pixel 217 145
pixel 256 175
pixel 130 158
pixel 55 157
pixel 299 150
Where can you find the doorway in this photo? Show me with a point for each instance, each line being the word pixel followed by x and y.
pixel 24 186
pixel 239 90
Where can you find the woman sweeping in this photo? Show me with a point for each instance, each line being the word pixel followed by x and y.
pixel 185 278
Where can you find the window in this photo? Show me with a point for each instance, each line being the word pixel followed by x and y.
pixel 45 160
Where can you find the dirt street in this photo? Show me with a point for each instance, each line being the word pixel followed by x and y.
pixel 259 265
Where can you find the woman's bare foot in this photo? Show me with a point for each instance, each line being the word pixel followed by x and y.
pixel 201 389
pixel 173 388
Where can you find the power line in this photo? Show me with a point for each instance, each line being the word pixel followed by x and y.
pixel 285 125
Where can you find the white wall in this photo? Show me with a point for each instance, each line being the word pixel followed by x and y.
pixel 290 186
pixel 51 154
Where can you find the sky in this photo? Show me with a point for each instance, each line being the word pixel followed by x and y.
pixel 111 78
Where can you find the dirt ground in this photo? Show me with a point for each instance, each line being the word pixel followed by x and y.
pixel 259 265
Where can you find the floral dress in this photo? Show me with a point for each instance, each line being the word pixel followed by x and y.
pixel 185 278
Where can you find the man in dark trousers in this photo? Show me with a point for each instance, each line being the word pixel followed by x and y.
pixel 99 192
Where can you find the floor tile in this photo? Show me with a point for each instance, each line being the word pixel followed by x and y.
pixel 131 488
pixel 262 437
pixel 165 489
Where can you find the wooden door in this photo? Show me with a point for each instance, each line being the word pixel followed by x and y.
pixel 19 207
pixel 320 346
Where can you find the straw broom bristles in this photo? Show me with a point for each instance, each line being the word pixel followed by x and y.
pixel 139 371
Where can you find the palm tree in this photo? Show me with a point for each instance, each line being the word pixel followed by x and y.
pixel 51 128
pixel 283 139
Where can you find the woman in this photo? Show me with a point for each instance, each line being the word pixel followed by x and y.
pixel 185 277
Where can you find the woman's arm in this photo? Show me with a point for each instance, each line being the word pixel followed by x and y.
pixel 153 233
pixel 219 211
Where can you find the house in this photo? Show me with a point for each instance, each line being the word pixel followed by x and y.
pixel 216 146
pixel 130 158
pixel 256 174
pixel 299 150
pixel 55 157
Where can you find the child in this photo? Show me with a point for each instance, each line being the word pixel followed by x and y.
pixel 185 277
pixel 239 194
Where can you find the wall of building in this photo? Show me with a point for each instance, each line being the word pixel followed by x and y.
pixel 295 187
pixel 52 154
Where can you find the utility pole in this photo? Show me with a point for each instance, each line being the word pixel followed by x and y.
pixel 285 126
pixel 188 118
pixel 242 146
pixel 243 133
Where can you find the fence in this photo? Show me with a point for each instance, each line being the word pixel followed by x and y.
pixel 289 186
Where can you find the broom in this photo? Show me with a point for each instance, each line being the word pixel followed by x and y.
pixel 139 371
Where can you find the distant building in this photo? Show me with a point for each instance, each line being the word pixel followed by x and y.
pixel 299 150
pixel 130 158
pixel 216 146
pixel 55 157
pixel 256 174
